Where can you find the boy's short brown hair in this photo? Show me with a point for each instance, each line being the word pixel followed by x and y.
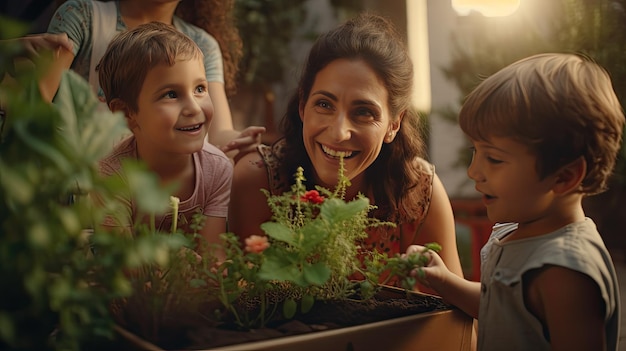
pixel 133 53
pixel 562 106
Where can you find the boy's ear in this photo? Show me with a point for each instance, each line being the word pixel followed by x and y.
pixel 569 177
pixel 119 105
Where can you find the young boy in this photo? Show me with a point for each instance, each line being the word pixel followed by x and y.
pixel 155 75
pixel 545 132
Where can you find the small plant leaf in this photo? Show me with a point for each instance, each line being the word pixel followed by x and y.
pixel 279 232
pixel 316 274
pixel 290 308
pixel 306 303
pixel 336 210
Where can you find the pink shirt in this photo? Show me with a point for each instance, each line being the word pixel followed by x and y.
pixel 211 195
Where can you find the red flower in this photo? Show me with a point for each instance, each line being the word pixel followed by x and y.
pixel 256 243
pixel 312 196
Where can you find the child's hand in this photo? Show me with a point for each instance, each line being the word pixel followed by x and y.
pixel 245 142
pixel 434 272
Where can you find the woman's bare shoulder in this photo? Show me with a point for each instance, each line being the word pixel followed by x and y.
pixel 251 171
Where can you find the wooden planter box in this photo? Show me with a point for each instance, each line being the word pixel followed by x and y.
pixel 443 330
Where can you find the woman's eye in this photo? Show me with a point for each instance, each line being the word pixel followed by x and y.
pixel 323 104
pixel 364 112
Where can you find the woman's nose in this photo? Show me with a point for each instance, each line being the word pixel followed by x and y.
pixel 341 127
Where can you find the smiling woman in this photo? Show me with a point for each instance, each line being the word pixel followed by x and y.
pixel 488 8
pixel 354 100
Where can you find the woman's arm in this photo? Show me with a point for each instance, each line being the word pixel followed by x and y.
pixel 52 50
pixel 49 82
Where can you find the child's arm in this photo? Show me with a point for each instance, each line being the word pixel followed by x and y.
pixel 570 305
pixel 456 290
pixel 213 227
pixel 248 205
pixel 438 226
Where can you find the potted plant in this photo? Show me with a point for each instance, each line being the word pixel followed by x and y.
pixel 298 276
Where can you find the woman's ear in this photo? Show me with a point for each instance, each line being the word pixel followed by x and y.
pixel 393 129
pixel 118 105
pixel 570 176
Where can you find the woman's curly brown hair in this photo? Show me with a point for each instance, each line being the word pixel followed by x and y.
pixel 216 17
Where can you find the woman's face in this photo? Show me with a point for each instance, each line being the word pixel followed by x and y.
pixel 347 114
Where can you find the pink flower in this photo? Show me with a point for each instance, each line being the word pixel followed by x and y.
pixel 312 196
pixel 256 243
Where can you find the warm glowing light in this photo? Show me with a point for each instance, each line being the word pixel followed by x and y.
pixel 488 8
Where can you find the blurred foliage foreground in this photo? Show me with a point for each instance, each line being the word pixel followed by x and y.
pixel 55 294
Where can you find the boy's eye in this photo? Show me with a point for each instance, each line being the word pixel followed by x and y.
pixel 201 89
pixel 493 160
pixel 170 94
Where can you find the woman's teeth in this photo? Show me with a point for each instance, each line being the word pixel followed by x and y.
pixel 334 153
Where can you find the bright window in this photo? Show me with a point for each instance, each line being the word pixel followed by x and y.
pixel 488 8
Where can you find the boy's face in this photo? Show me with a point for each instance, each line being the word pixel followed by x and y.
pixel 505 174
pixel 174 109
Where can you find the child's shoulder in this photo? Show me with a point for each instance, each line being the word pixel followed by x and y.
pixel 112 163
pixel 577 246
pixel 214 156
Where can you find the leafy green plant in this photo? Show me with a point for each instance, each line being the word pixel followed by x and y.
pixel 58 270
pixel 167 294
pixel 310 253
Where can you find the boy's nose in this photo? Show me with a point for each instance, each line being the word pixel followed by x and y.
pixel 192 107
pixel 474 173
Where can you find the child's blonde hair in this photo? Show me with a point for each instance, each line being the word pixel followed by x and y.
pixel 133 53
pixel 562 106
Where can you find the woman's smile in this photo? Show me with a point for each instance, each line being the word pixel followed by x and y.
pixel 336 153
